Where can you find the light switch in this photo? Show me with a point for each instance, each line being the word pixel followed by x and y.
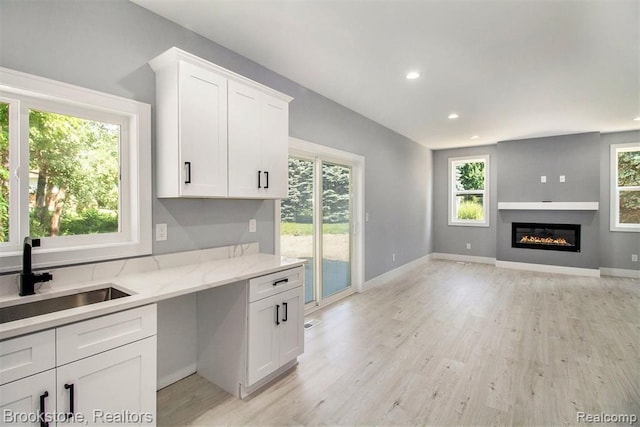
pixel 562 178
pixel 543 179
pixel 252 226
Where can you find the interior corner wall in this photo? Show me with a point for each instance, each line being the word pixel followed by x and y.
pixel 105 45
pixel 588 179
pixel 616 247
pixel 452 239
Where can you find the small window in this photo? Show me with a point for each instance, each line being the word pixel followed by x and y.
pixel 468 191
pixel 625 187
pixel 74 172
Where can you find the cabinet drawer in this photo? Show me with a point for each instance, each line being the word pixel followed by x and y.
pixel 271 284
pixel 27 355
pixel 93 336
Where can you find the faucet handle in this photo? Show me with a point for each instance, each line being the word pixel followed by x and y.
pixel 35 243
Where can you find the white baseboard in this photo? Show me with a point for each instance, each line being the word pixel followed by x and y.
pixel 620 272
pixel 176 376
pixel 464 258
pixel 396 272
pixel 544 268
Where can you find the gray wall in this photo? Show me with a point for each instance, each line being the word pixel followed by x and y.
pixel 522 162
pixel 616 247
pixel 452 239
pixel 105 45
pixel 520 165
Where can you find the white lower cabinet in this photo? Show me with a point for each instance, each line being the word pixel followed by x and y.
pixel 251 332
pixel 113 387
pixel 23 401
pixel 276 333
pixel 108 375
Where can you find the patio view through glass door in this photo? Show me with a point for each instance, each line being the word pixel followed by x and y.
pixel 316 225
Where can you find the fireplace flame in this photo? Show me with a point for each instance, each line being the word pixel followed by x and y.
pixel 545 240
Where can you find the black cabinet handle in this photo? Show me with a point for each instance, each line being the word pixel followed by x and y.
pixel 259 179
pixel 277 314
pixel 266 175
pixel 277 282
pixel 43 410
pixel 284 317
pixel 188 166
pixel 70 388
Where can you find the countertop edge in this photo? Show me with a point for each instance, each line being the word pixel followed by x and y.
pixel 141 297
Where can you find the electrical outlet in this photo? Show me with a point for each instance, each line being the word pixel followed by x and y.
pixel 634 257
pixel 562 178
pixel 252 226
pixel 468 245
pixel 393 257
pixel 543 179
pixel 161 232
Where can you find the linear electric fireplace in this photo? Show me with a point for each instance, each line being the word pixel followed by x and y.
pixel 555 237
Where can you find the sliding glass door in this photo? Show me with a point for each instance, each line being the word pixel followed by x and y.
pixel 336 228
pixel 316 224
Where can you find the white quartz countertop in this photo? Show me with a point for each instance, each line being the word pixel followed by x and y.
pixel 145 288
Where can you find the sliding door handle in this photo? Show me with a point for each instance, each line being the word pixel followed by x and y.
pixel 187 166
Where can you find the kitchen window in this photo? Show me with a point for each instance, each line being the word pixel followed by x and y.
pixel 468 191
pixel 74 172
pixel 625 187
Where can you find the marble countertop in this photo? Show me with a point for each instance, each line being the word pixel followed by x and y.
pixel 145 288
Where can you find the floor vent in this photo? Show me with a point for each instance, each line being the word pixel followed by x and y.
pixel 311 323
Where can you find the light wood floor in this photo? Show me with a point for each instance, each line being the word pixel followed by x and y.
pixel 449 344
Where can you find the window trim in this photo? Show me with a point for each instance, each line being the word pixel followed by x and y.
pixel 134 236
pixel 485 193
pixel 614 200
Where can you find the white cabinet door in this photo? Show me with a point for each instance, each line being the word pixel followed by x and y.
pixel 25 399
pixel 117 386
pixel 263 352
pixel 291 328
pixel 246 177
pixel 275 146
pixel 258 143
pixel 202 132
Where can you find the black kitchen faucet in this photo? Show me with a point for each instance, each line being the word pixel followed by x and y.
pixel 28 278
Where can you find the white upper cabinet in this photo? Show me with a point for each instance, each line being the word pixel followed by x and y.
pixel 218 134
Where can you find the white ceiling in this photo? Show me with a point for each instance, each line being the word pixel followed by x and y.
pixel 511 69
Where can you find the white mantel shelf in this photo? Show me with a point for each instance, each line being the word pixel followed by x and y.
pixel 549 206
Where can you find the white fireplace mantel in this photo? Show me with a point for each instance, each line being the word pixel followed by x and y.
pixel 549 206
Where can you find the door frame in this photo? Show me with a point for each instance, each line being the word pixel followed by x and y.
pixel 311 151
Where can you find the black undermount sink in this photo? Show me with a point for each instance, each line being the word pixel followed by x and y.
pixel 51 305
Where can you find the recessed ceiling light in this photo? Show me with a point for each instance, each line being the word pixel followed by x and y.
pixel 637 119
pixel 453 116
pixel 475 137
pixel 413 75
